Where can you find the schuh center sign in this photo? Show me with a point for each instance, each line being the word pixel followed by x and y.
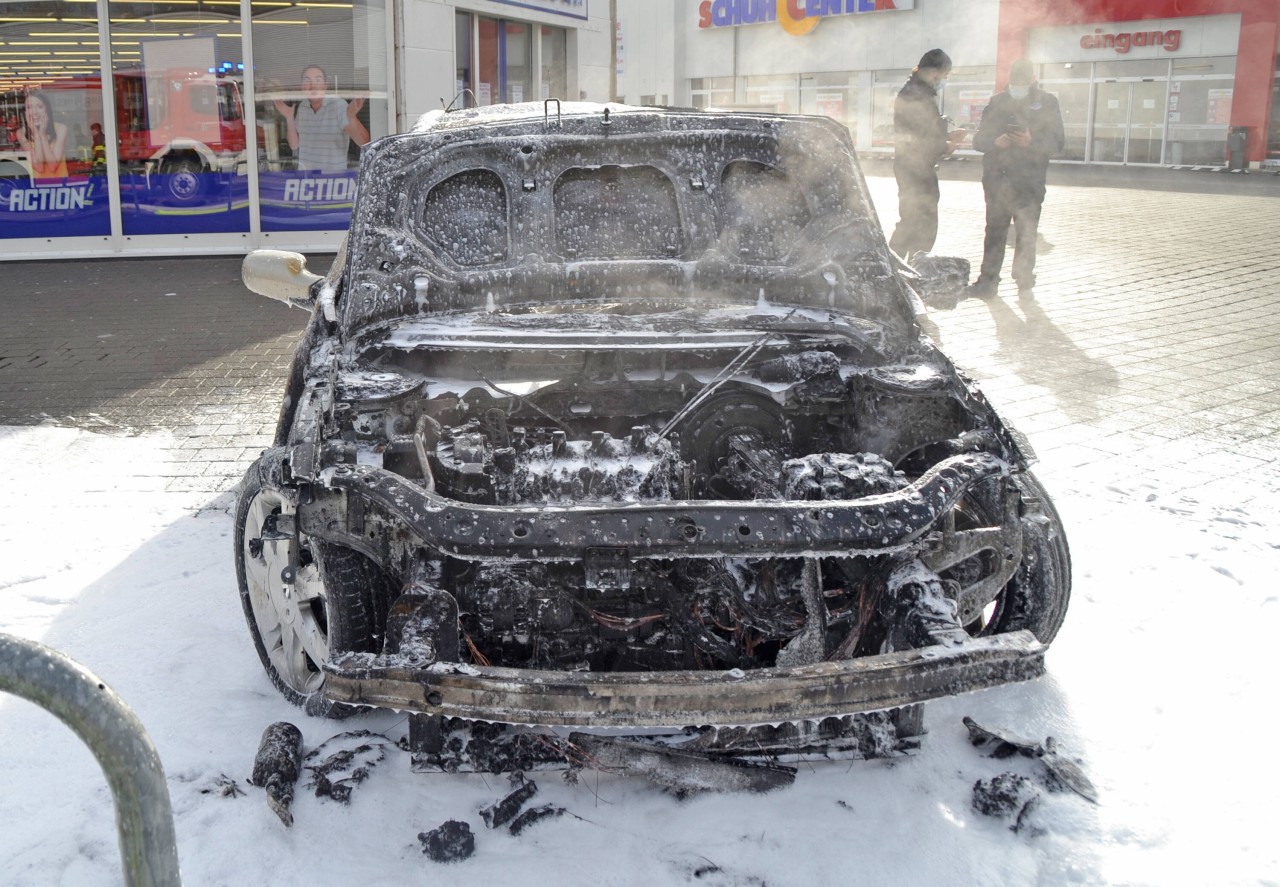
pixel 796 16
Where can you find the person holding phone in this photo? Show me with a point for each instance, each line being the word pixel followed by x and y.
pixel 43 139
pixel 1021 129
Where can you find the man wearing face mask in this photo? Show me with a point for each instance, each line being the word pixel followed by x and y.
pixel 920 140
pixel 1020 130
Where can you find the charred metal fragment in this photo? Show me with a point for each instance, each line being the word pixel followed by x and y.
pixel 534 815
pixel 1064 771
pixel 422 626
pixel 500 813
pixel 276 767
pixel 810 645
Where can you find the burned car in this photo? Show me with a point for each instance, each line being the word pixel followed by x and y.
pixel 621 420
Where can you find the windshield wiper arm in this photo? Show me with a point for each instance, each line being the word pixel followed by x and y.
pixel 739 360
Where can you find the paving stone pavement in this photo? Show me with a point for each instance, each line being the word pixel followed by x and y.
pixel 1151 343
pixel 134 346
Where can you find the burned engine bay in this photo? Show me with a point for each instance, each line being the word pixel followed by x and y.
pixel 671 490
pixel 619 427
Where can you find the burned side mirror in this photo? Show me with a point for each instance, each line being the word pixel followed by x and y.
pixel 281 275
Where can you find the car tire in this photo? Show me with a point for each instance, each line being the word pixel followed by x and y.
pixel 1036 597
pixel 304 600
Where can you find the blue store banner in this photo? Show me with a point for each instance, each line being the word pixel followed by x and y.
pixel 297 200
pixel 184 202
pixel 71 207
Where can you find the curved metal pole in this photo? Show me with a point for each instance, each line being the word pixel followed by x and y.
pixel 144 817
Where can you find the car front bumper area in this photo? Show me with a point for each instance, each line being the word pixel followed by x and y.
pixel 429 679
pixel 676 699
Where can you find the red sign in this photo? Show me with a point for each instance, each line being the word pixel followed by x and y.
pixel 1122 43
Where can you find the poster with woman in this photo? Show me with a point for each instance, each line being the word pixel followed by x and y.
pixel 48 185
pixel 43 139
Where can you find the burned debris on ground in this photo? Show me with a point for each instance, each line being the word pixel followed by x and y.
pixel 1010 796
pixel 499 814
pixel 276 767
pixel 348 758
pixel 1015 796
pixel 452 841
pixel 534 815
pixel 1063 772
pixel 223 786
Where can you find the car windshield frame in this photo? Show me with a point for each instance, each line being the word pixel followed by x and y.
pixel 824 249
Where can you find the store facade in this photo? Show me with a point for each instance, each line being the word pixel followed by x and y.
pixel 1158 81
pixel 1140 81
pixel 223 125
pixel 845 59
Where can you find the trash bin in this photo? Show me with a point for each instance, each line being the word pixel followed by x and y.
pixel 1237 142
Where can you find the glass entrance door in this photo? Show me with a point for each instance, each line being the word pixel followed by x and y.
pixel 1146 121
pixel 1128 121
pixel 1111 122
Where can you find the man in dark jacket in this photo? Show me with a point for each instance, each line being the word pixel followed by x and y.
pixel 920 141
pixel 1020 130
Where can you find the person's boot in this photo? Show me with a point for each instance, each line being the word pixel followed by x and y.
pixel 983 288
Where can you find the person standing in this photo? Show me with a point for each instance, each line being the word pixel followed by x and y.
pixel 320 126
pixel 1021 129
pixel 920 140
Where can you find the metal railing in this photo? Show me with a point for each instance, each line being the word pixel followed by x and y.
pixel 75 695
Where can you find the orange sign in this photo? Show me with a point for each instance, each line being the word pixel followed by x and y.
pixel 793 19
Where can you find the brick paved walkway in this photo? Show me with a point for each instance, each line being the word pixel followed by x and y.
pixel 1152 341
pixel 130 346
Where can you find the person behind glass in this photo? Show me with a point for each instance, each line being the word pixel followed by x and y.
pixel 1021 129
pixel 920 140
pixel 319 127
pixel 43 139
pixel 99 144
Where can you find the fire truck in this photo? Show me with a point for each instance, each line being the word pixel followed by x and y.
pixel 175 126
pixel 180 124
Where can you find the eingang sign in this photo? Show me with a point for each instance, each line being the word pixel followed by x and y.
pixel 796 16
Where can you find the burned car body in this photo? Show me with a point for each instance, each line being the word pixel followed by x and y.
pixel 621 419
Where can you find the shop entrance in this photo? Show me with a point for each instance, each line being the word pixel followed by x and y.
pixel 500 60
pixel 1128 122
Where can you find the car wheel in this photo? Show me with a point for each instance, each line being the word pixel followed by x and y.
pixel 1038 588
pixel 1037 596
pixel 184 180
pixel 303 600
